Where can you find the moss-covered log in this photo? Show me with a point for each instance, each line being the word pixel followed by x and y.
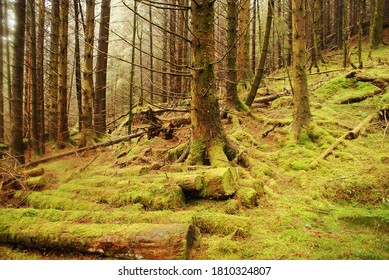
pixel 190 183
pixel 219 183
pixel 135 241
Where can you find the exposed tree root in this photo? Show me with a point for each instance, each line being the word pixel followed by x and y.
pixel 349 135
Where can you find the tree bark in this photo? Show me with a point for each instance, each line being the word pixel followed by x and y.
pixel 376 24
pixel 63 132
pixel 232 97
pixel 17 145
pixel 77 57
pixel 40 78
pixel 134 241
pixel 209 140
pixel 244 71
pixel 100 115
pixel 87 132
pixel 53 73
pixel 301 113
pixel 1 78
pixel 261 67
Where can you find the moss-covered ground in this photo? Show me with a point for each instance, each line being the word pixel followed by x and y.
pixel 338 210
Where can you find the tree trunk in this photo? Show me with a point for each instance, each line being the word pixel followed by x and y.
pixel 1 78
pixel 100 115
pixel 301 113
pixel 261 67
pixel 151 55
pixel 164 57
pixel 33 85
pixel 40 78
pixel 87 133
pixel 77 57
pixel 209 140
pixel 133 241
pixel 63 132
pixel 376 24
pixel 232 98
pixel 134 23
pixel 172 54
pixel 53 73
pixel 360 33
pixel 244 71
pixel 253 37
pixel 17 145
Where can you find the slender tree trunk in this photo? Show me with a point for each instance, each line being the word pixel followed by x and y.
pixel 290 49
pixel 172 54
pixel 261 67
pixel 33 85
pixel 232 99
pixel 376 24
pixel 17 146
pixel 77 57
pixel 63 132
pixel 134 23
pixel 209 140
pixel 164 57
pixel 301 113
pixel 339 22
pixel 53 74
pixel 8 58
pixel 100 116
pixel 140 38
pixel 346 34
pixel 151 55
pixel 87 133
pixel 360 33
pixel 1 77
pixel 244 71
pixel 253 37
pixel 40 78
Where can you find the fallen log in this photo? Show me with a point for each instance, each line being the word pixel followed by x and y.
pixel 359 98
pixel 135 241
pixel 84 149
pixel 349 135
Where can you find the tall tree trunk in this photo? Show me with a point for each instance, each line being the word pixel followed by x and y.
pixel 172 54
pixel 33 85
pixel 100 114
pixel 8 58
pixel 87 133
pixel 77 57
pixel 376 24
pixel 261 67
pixel 1 77
pixel 63 132
pixel 53 74
pixel 40 78
pixel 232 99
pixel 244 71
pixel 134 23
pixel 164 57
pixel 301 113
pixel 290 49
pixel 151 55
pixel 339 22
pixel 17 146
pixel 209 140
pixel 360 33
pixel 253 37
pixel 346 34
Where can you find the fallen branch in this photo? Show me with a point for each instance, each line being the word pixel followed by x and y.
pixel 309 74
pixel 349 135
pixel 92 147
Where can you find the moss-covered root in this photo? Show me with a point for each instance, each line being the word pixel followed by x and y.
pixel 136 241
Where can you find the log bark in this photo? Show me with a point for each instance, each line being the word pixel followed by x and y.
pixel 190 183
pixel 92 147
pixel 349 135
pixel 135 241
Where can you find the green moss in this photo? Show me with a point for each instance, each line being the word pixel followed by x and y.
pixel 284 101
pixel 220 223
pixel 197 152
pixel 248 197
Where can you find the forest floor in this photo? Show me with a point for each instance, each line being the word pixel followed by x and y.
pixel 334 208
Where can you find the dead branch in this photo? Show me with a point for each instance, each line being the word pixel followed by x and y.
pixel 349 135
pixel 92 147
